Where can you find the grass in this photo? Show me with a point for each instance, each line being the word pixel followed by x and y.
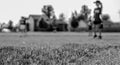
pixel 59 49
pixel 77 54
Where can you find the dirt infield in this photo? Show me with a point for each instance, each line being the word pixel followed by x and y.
pixel 37 39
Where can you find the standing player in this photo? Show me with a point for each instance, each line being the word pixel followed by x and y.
pixel 23 26
pixel 98 25
pixel 90 25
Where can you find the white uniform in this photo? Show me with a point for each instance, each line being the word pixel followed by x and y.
pixel 22 27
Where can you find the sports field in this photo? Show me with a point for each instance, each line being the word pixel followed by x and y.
pixel 36 39
pixel 61 48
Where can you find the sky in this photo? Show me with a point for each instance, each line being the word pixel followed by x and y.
pixel 14 9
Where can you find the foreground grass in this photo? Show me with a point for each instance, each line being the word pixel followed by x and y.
pixel 68 54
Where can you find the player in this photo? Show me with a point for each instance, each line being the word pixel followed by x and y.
pixel 98 24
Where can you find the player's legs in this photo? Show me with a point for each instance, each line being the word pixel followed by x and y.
pixel 100 31
pixel 90 30
pixel 95 30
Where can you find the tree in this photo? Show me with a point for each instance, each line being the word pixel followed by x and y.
pixel 85 12
pixel 48 10
pixel 62 17
pixel 105 17
pixel 74 21
pixel 75 12
pixel 10 25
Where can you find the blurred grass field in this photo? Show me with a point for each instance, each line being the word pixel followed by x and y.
pixel 36 39
pixel 61 48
